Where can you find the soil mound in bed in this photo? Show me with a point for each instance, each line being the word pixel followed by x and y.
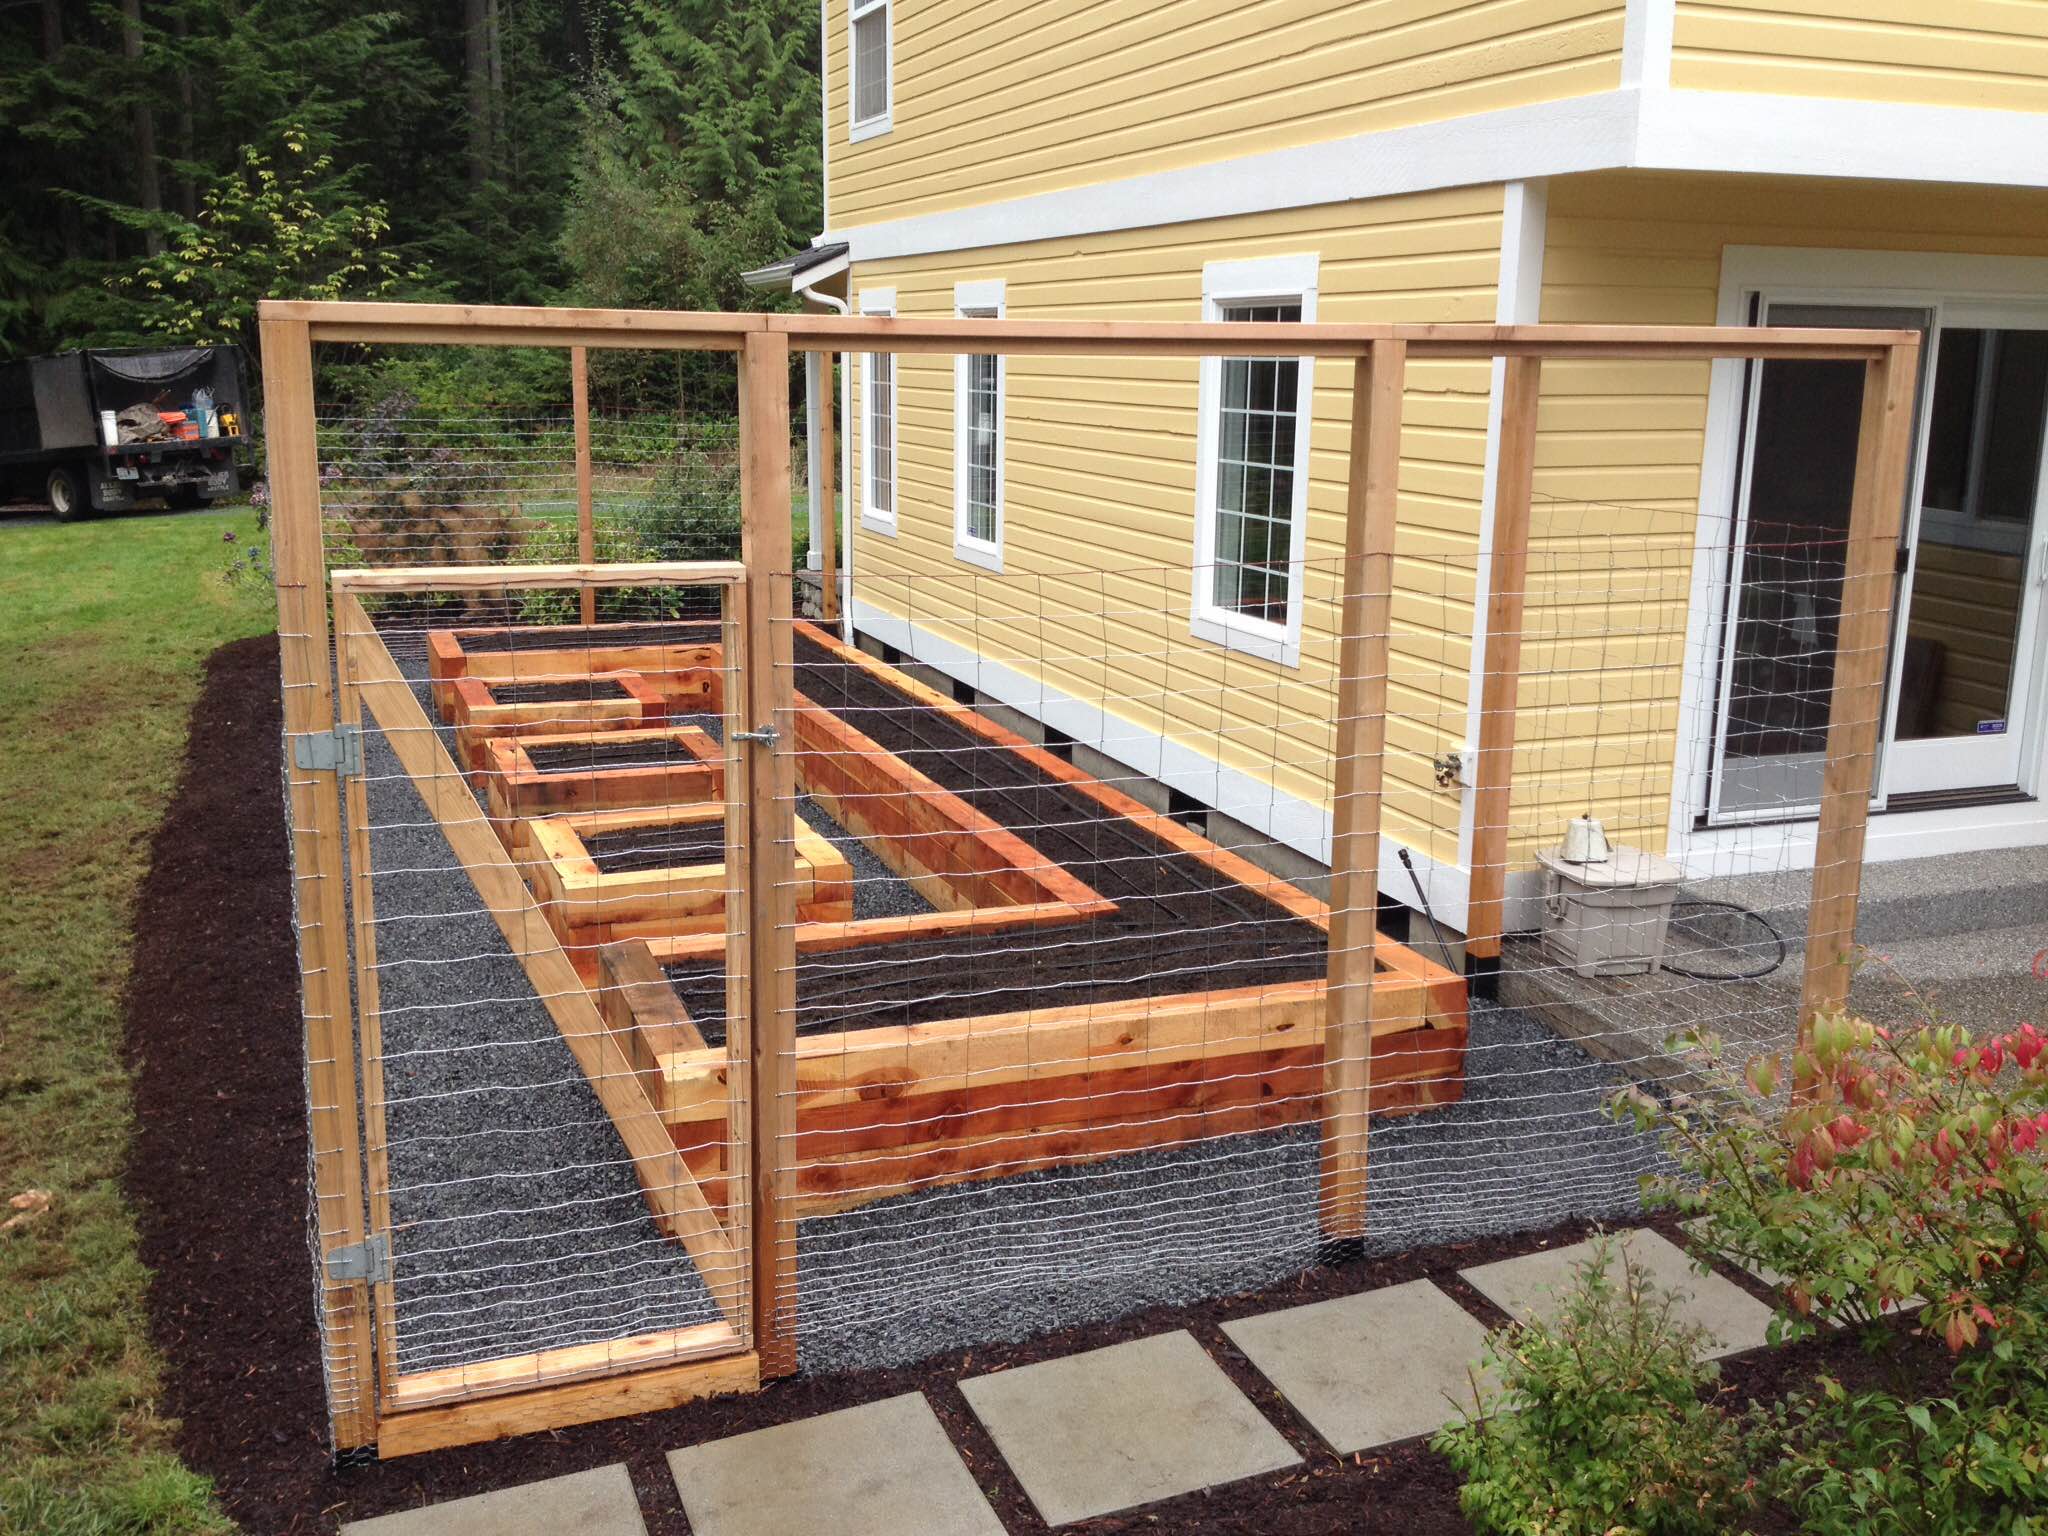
pixel 1179 925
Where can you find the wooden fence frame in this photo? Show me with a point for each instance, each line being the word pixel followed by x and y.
pixel 763 345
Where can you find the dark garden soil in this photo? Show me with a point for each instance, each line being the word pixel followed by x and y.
pixel 588 756
pixel 218 1180
pixel 645 848
pixel 575 690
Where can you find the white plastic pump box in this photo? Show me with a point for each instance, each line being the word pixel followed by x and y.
pixel 1608 917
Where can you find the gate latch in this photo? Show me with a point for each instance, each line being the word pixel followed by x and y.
pixel 368 1260
pixel 768 736
pixel 339 751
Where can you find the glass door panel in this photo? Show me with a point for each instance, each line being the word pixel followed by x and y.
pixel 1778 661
pixel 1964 675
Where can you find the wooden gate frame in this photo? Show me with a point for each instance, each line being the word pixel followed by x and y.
pixel 1379 354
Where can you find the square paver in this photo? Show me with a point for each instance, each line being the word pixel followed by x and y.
pixel 600 1502
pixel 1373 1368
pixel 1123 1426
pixel 882 1469
pixel 1530 1287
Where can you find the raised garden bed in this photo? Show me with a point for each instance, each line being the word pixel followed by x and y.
pixel 1187 1003
pixel 686 664
pixel 623 770
pixel 601 876
pixel 574 702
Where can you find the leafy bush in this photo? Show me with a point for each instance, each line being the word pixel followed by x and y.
pixel 1874 1171
pixel 1973 1462
pixel 691 510
pixel 1599 1428
pixel 405 500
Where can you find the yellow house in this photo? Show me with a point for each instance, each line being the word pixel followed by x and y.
pixel 1138 556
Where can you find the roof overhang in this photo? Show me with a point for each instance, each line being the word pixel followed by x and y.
pixel 801 270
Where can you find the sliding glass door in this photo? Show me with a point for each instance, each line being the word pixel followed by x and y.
pixel 1963 653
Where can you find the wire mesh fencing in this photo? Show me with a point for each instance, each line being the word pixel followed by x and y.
pixel 1092 919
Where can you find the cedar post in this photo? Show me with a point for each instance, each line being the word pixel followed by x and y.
pixel 770 800
pixel 317 873
pixel 1856 698
pixel 1369 518
pixel 1507 586
pixel 826 534
pixel 586 524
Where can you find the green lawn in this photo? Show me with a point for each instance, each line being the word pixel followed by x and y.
pixel 103 625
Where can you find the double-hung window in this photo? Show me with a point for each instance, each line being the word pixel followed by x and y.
pixel 1252 487
pixel 871 83
pixel 878 424
pixel 978 379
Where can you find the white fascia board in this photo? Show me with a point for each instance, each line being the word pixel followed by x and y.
pixel 1582 133
pixel 1648 128
pixel 1758 135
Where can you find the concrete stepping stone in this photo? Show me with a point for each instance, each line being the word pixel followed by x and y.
pixel 1531 1288
pixel 882 1469
pixel 1122 1426
pixel 1369 1369
pixel 600 1502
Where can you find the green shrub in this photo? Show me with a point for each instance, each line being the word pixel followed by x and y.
pixel 1873 1171
pixel 1972 1462
pixel 1598 1428
pixel 691 508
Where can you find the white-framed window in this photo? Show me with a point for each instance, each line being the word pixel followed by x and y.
pixel 978 386
pixel 878 424
pixel 1252 464
pixel 871 69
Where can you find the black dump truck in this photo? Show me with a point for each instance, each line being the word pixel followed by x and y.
pixel 106 429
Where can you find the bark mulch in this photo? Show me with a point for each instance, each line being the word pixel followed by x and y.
pixel 218 1179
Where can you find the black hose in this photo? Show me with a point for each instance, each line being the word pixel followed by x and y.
pixel 1777 938
pixel 1409 865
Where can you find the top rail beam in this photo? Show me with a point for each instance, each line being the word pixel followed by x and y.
pixel 521 578
pixel 507 325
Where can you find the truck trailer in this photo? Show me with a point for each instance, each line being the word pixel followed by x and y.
pixel 105 429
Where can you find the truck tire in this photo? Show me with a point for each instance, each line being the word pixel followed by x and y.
pixel 65 492
pixel 188 499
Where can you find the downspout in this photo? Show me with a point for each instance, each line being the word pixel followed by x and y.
pixel 841 403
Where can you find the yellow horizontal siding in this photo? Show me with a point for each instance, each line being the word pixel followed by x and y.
pixel 1100 467
pixel 1011 97
pixel 1952 53
pixel 1620 451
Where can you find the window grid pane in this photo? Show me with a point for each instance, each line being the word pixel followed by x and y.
pixel 871 65
pixel 1255 475
pixel 980 446
pixel 882 432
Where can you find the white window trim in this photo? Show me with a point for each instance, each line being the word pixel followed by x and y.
pixel 879 301
pixel 988 554
pixel 1273 280
pixel 872 127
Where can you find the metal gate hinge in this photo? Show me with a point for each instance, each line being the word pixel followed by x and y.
pixel 368 1260
pixel 339 751
pixel 768 736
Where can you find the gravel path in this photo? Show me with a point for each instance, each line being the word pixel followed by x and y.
pixel 1531 1144
pixel 517 1221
